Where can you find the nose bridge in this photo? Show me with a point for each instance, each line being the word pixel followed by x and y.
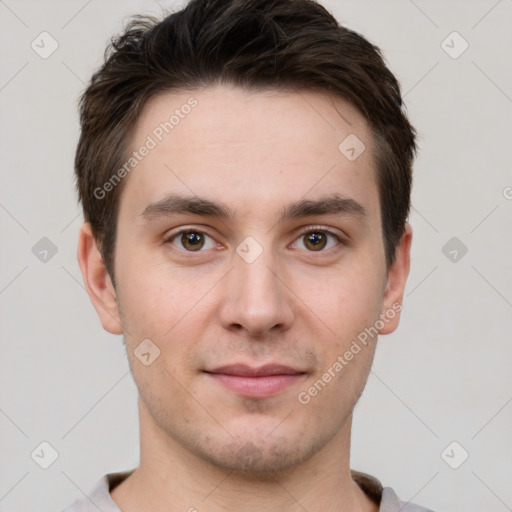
pixel 257 299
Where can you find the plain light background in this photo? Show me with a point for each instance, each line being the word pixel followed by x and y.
pixel 444 376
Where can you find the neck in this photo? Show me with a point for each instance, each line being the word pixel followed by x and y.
pixel 171 478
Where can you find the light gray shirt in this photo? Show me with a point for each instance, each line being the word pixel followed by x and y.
pixel 99 498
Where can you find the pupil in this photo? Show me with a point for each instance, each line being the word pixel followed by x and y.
pixel 317 240
pixel 192 240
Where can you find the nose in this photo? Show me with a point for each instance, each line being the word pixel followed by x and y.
pixel 257 299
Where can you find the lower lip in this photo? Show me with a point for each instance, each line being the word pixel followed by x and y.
pixel 257 387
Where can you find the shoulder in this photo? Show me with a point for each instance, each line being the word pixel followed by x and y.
pixel 92 501
pixel 384 496
pixel 391 503
pixel 99 498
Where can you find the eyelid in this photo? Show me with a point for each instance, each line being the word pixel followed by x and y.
pixel 340 237
pixel 331 231
pixel 172 234
pixel 169 238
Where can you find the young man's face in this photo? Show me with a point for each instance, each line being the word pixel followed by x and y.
pixel 251 288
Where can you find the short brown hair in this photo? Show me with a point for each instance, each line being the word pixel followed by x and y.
pixel 253 44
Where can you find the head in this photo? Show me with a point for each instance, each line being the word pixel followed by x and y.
pixel 245 122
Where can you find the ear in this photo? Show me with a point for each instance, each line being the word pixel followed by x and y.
pixel 97 280
pixel 396 279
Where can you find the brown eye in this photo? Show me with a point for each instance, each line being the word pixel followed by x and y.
pixel 317 241
pixel 192 241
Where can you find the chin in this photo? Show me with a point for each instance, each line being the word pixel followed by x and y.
pixel 261 457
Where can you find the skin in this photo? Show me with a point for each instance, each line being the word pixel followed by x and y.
pixel 256 152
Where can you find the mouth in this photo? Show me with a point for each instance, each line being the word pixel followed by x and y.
pixel 256 382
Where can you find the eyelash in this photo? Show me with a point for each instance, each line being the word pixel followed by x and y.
pixel 305 231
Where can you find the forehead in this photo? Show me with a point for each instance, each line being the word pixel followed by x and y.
pixel 252 149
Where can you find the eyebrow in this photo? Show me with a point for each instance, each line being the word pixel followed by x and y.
pixel 173 204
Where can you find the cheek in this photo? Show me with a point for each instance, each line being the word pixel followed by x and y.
pixel 344 300
pixel 170 307
pixel 153 296
pixel 345 311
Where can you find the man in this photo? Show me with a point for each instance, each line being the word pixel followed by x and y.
pixel 244 168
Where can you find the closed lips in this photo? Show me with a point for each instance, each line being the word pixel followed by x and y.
pixel 242 370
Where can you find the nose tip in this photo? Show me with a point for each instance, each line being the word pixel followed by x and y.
pixel 256 300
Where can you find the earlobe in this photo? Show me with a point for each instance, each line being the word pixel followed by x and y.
pixel 395 286
pixel 97 280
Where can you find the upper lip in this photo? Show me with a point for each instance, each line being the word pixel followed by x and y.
pixel 244 370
